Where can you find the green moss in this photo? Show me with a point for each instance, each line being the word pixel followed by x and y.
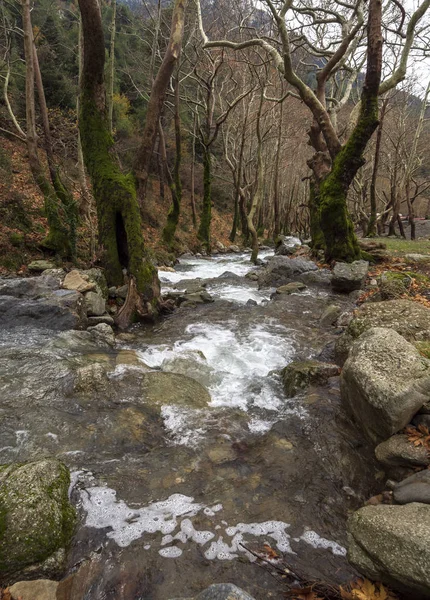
pixel 340 239
pixel 423 348
pixel 116 201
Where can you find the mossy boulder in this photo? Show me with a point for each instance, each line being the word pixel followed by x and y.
pixel 172 388
pixel 298 375
pixel 36 520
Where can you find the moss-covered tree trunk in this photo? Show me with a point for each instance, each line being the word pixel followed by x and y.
pixel 175 181
pixel 204 232
pixel 120 232
pixel 340 239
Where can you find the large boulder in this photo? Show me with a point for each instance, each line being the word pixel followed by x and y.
pixel 348 277
pixel 95 304
pixel 398 451
pixel 410 319
pixel 28 287
pixel 281 270
pixel 171 388
pixel 36 520
pixel 392 544
pixel 384 382
pixel 63 309
pixel 298 375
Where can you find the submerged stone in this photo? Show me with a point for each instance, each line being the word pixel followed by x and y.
pixel 298 375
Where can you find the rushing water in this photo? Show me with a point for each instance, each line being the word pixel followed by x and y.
pixel 170 497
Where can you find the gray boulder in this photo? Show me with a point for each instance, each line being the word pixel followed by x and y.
pixel 95 304
pixel 37 520
pixel 398 451
pixel 384 382
pixel 298 375
pixel 171 388
pixel 391 544
pixel 63 309
pixel 281 270
pixel 28 287
pixel 410 319
pixel 415 488
pixel 348 277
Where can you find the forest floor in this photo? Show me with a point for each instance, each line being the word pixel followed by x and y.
pixel 23 225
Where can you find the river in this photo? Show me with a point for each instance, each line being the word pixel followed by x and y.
pixel 168 496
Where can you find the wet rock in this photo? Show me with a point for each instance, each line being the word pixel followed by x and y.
pixel 28 287
pixel 345 319
pixel 220 247
pixel 348 277
pixel 291 288
pixel 95 338
pixel 39 589
pixel 251 302
pixel 252 275
pixel 398 451
pixel 172 388
pixel 410 319
pixel 40 265
pixel 190 363
pixel 63 309
pixel 287 245
pixel 415 488
pixel 384 382
pixel 391 544
pixel 78 282
pixel 418 258
pixel 234 248
pixel 95 304
pixel 281 270
pixel 330 315
pixel 37 519
pixel 298 375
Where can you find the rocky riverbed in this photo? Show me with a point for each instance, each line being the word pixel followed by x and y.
pixel 188 441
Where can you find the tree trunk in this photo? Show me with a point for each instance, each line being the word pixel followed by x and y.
pixel 340 239
pixel 371 227
pixel 111 67
pixel 175 183
pixel 193 174
pixel 118 213
pixel 57 238
pixel 276 216
pixel 63 235
pixel 204 232
pixel 257 196
pixel 156 99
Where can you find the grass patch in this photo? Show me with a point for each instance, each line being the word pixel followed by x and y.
pixel 400 247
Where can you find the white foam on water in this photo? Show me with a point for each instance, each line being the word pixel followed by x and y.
pixel 172 520
pixel 237 293
pixel 316 541
pixel 201 268
pixel 183 424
